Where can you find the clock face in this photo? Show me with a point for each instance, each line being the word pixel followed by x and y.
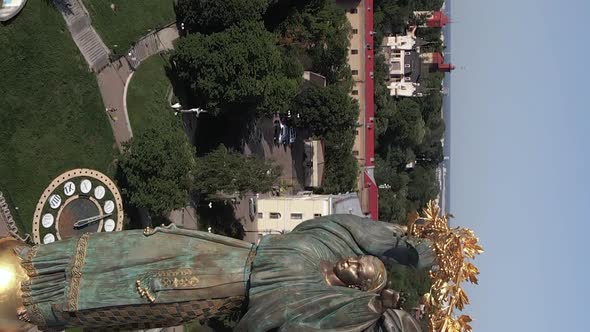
pixel 77 202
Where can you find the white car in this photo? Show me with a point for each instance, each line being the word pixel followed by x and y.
pixel 280 132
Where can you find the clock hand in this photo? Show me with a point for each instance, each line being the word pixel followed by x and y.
pixel 83 222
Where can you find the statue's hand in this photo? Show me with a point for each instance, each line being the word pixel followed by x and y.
pixel 163 229
pixel 390 298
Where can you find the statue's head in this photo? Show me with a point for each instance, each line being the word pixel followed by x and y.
pixel 366 273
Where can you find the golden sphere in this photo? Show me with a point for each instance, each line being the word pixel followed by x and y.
pixel 11 277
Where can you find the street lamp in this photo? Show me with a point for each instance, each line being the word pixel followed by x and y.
pixel 178 109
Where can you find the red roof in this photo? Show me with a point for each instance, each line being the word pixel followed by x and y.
pixel 438 58
pixel 441 66
pixel 438 20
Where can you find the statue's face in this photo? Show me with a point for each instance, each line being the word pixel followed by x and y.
pixel 355 271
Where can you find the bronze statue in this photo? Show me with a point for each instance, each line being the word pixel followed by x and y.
pixel 327 274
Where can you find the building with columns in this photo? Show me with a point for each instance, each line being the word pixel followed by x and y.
pixel 407 63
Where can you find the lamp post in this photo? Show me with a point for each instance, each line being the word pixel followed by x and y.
pixel 178 109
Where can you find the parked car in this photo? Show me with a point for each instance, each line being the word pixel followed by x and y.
pixel 284 137
pixel 292 135
pixel 252 208
pixel 277 131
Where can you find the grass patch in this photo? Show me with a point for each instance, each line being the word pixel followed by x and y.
pixel 131 19
pixel 52 118
pixel 147 96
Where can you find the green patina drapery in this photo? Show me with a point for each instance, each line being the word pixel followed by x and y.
pixel 170 276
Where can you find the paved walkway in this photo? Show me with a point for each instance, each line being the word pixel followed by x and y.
pixel 7 225
pixel 113 77
pixel 86 38
pixel 3 226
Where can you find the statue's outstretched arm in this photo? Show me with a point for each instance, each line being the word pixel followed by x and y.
pixel 173 229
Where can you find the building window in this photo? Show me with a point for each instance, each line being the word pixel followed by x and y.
pixel 355 72
pixel 353 11
pixel 354 51
pixel 355 92
pixel 275 215
pixel 317 215
pixel 355 153
pixel 296 216
pixel 260 215
pixel 356 132
pixel 355 31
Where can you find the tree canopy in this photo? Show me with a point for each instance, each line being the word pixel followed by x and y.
pixel 209 16
pixel 331 114
pixel 341 167
pixel 236 69
pixel 423 186
pixel 155 170
pixel 321 28
pixel 228 172
pixel 324 110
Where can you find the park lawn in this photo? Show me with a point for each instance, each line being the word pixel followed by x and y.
pixel 131 20
pixel 147 96
pixel 52 118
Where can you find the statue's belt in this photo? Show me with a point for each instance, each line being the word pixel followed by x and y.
pixel 186 279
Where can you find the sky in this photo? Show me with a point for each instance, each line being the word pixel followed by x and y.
pixel 520 157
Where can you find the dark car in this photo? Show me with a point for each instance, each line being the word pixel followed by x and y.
pixel 284 137
pixel 277 132
pixel 292 135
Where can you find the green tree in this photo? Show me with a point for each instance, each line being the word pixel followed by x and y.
pixel 155 170
pixel 228 172
pixel 214 16
pixel 341 167
pixel 393 192
pixel 391 17
pixel 430 154
pixel 322 29
pixel 326 110
pixel 239 68
pixel 422 188
pixel 414 283
pixel 405 126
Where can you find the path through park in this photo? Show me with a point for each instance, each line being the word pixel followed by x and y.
pixel 113 76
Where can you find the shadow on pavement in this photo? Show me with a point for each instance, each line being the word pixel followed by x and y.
pixel 221 218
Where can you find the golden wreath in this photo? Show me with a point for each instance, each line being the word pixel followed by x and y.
pixel 453 248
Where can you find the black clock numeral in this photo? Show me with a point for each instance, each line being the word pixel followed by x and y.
pixel 55 200
pixel 69 188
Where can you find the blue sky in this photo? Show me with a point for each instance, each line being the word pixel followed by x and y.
pixel 520 159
